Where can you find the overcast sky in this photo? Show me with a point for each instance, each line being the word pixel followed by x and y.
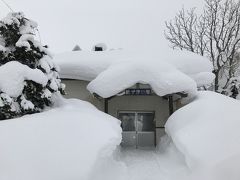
pixel 128 24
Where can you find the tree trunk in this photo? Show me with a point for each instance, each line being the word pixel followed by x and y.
pixel 216 82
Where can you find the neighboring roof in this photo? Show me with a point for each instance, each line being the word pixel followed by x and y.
pixel 77 48
pixel 113 71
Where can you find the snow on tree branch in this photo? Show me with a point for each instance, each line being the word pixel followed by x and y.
pixel 214 34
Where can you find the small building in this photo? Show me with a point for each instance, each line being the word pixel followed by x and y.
pixel 142 93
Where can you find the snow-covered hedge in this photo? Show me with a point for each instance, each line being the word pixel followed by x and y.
pixel 67 142
pixel 207 132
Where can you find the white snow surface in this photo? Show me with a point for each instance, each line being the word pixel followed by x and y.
pixel 207 132
pixel 164 79
pixel 63 143
pixel 12 77
pixel 76 141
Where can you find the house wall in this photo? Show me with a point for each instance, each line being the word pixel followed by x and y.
pixel 77 89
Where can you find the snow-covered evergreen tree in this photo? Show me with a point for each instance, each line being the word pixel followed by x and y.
pixel 40 79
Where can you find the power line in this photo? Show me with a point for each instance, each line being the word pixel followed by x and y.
pixel 9 7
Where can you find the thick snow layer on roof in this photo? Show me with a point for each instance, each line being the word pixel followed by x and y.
pixel 164 79
pixel 86 65
pixel 63 143
pixel 12 77
pixel 207 132
pixel 160 67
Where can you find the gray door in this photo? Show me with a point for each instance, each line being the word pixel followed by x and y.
pixel 128 124
pixel 138 129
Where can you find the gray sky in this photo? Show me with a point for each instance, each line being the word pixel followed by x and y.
pixel 128 24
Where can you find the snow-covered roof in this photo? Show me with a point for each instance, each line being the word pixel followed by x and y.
pixel 164 79
pixel 110 72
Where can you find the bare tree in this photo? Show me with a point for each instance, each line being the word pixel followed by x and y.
pixel 214 34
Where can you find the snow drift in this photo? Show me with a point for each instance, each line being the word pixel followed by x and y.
pixel 207 132
pixel 59 144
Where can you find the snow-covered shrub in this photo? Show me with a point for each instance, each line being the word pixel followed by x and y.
pixel 53 145
pixel 206 132
pixel 28 77
pixel 233 88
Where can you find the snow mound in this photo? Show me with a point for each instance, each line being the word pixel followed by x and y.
pixel 87 65
pixel 12 77
pixel 63 143
pixel 207 132
pixel 164 79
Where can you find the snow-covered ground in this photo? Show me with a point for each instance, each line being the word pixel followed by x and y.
pixel 152 164
pixel 203 142
pixel 76 141
pixel 63 143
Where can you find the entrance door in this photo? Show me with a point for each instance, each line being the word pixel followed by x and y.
pixel 138 129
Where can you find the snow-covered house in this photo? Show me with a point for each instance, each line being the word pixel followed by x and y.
pixel 141 90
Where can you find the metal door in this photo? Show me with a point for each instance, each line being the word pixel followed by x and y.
pixel 145 129
pixel 138 129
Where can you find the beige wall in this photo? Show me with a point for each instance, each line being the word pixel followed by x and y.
pixel 77 89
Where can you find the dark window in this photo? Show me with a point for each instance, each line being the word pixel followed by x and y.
pixel 98 48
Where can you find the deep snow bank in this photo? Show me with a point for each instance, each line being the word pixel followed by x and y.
pixel 59 144
pixel 207 132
